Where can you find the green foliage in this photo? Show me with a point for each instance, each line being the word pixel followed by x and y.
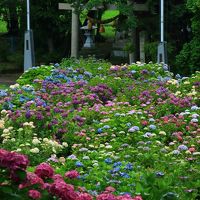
pixel 189 59
pixel 151 51
pixel 2 86
pixel 109 14
pixel 34 73
pixel 3 28
pixel 193 5
pixel 124 8
pixel 90 64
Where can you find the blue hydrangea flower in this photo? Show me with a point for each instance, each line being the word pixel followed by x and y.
pixel 182 147
pixel 73 157
pixel 194 108
pixel 117 164
pixel 159 174
pixel 115 170
pixel 147 134
pixel 165 67
pixel 124 175
pixel 152 120
pixel 3 93
pixel 80 77
pixel 152 127
pixel 106 127
pixel 194 120
pixel 128 124
pixel 99 130
pixel 128 166
pixel 88 74
pixel 27 88
pixel 133 129
pixel 108 160
pixel 23 99
pixel 178 76
pixel 167 78
pixel 176 152
pixel 56 65
pixel 79 164
pixel 133 71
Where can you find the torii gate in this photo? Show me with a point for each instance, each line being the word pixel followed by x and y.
pixel 75 25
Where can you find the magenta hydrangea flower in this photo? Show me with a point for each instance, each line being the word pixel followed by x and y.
pixel 85 196
pixel 44 170
pixel 32 179
pixel 13 160
pixel 63 190
pixel 34 194
pixel 110 189
pixel 72 174
pixel 105 196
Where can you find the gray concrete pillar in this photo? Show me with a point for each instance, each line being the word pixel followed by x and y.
pixel 142 36
pixel 74 35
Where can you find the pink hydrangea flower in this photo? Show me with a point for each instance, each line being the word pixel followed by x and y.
pixel 34 194
pixel 44 170
pixel 85 196
pixel 13 160
pixel 124 197
pixel 110 189
pixel 72 174
pixel 32 179
pixel 57 177
pixel 137 198
pixel 63 190
pixel 105 196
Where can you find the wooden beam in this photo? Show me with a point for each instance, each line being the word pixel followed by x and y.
pixel 136 7
pixel 141 7
pixel 64 6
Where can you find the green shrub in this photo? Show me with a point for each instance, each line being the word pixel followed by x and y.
pixel 34 73
pixel 188 61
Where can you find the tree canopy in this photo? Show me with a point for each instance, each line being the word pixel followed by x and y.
pixel 52 26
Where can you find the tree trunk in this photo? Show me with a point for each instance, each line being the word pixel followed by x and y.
pixel 50 44
pixel 13 19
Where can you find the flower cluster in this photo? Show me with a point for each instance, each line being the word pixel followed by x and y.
pixel 120 132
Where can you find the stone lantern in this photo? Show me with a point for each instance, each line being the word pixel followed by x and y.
pixel 89 29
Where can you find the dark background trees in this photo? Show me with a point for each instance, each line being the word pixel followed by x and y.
pixel 52 28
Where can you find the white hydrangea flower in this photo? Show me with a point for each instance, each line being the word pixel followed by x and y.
pixel 3 112
pixel 35 141
pixel 14 86
pixel 6 131
pixel 64 144
pixel 34 150
pixel 2 124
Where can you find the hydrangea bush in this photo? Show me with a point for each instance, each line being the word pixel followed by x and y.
pixel 85 130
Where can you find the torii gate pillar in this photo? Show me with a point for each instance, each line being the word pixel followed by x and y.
pixel 74 28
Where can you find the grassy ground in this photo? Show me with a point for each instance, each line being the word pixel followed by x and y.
pixel 109 14
pixel 3 28
pixel 2 86
pixel 109 28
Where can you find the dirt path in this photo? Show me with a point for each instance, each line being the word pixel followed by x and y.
pixel 9 79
